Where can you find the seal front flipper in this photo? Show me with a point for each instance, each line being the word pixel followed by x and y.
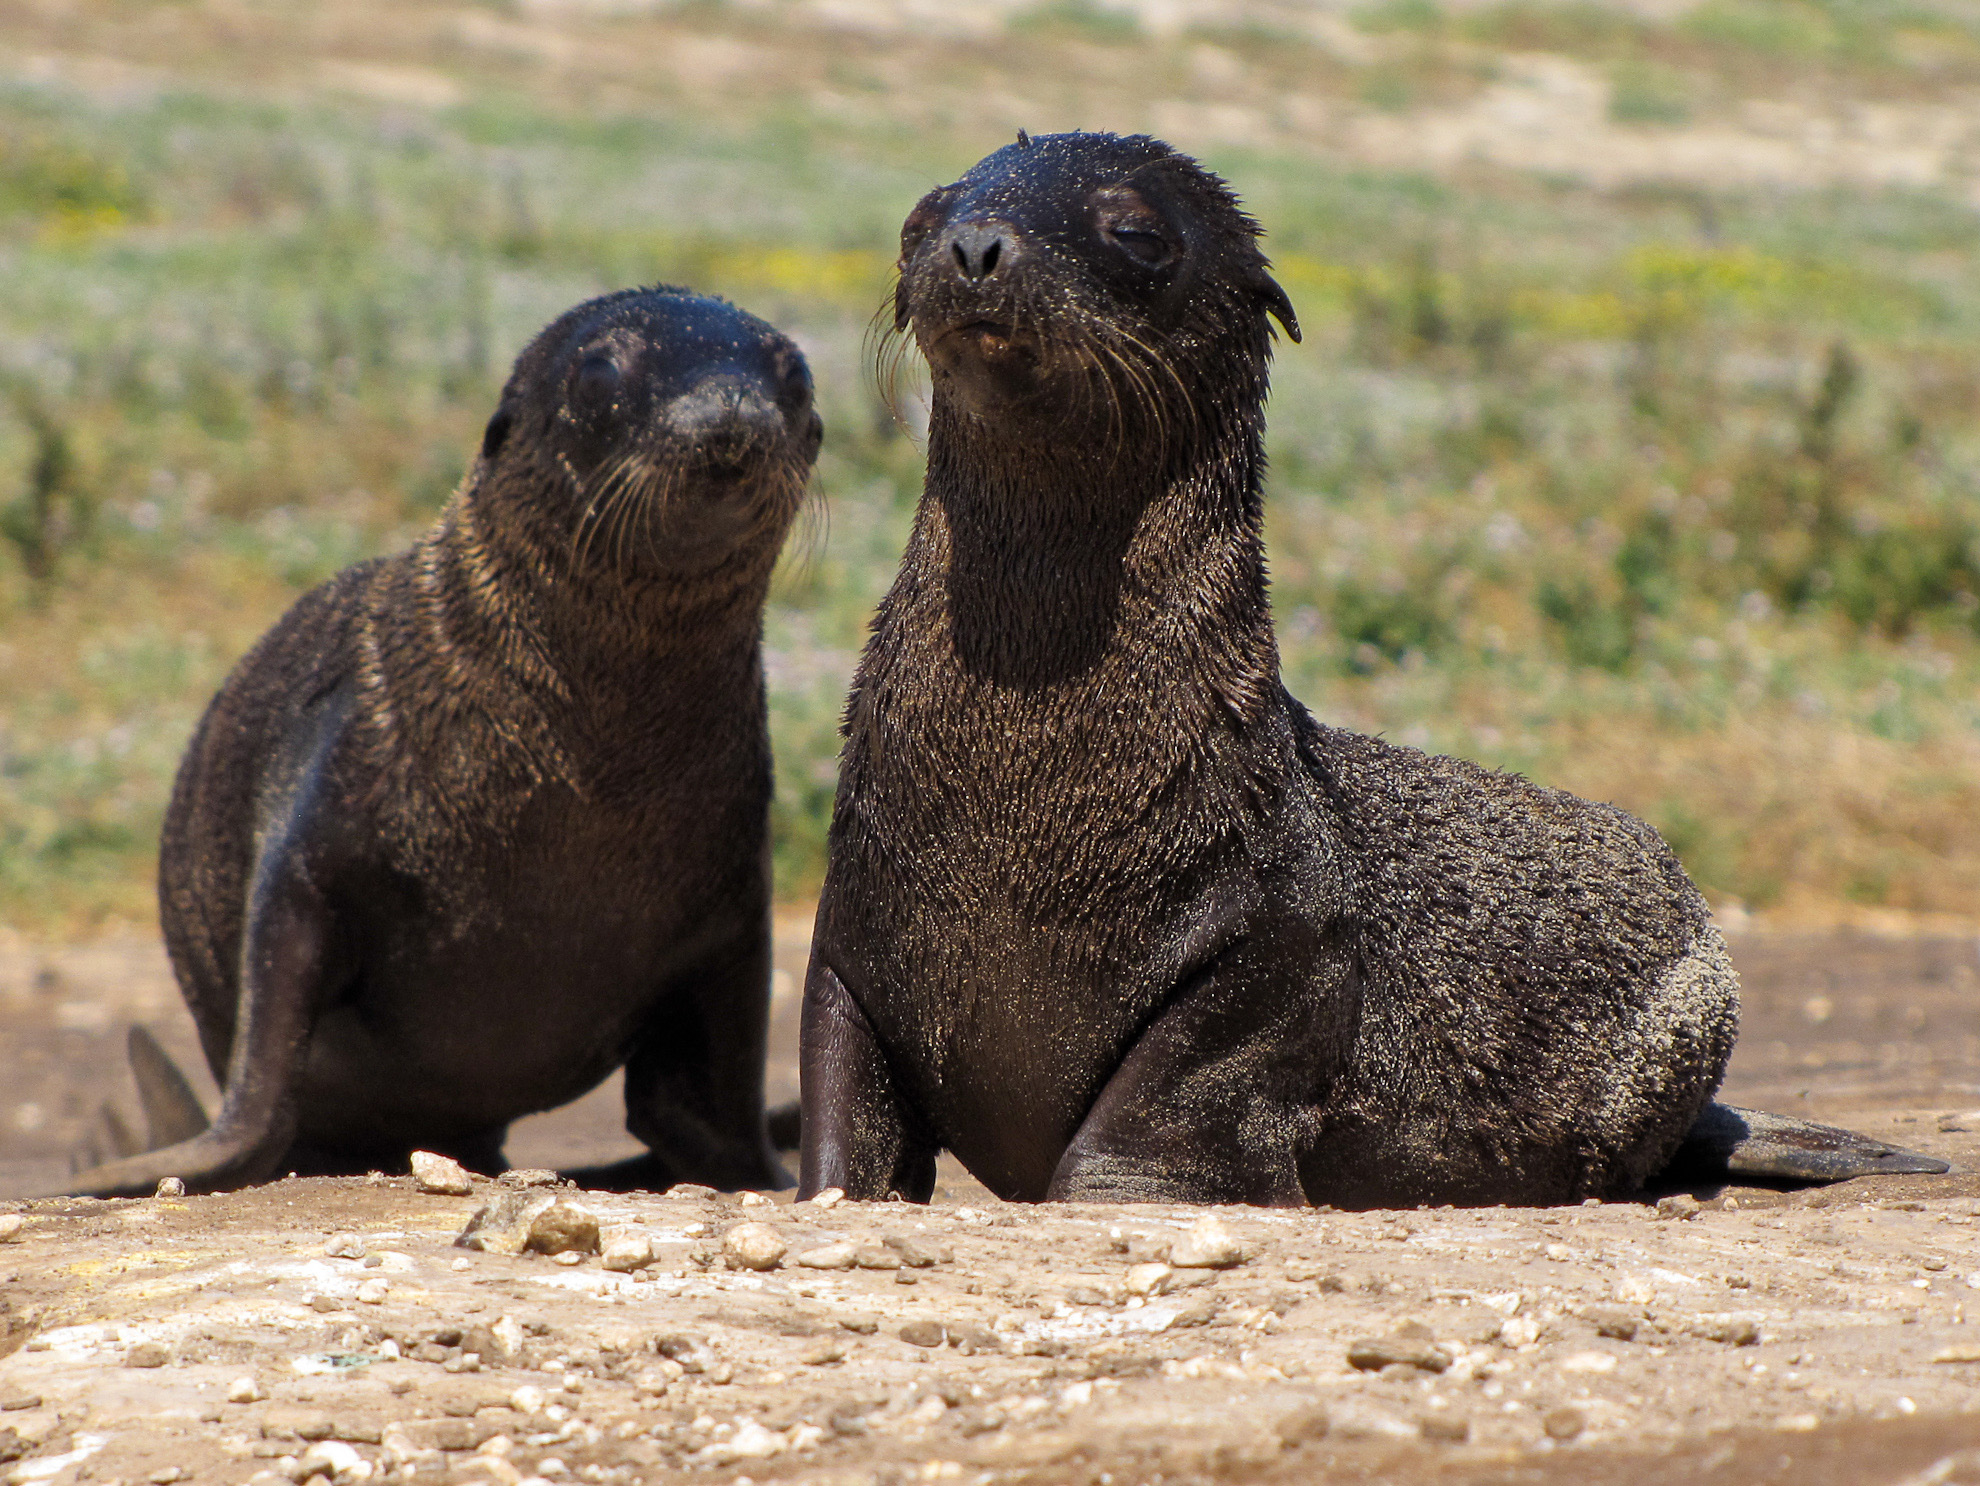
pixel 859 1134
pixel 1210 1103
pixel 696 1103
pixel 1751 1145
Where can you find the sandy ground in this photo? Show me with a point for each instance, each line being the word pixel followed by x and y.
pixel 1816 1337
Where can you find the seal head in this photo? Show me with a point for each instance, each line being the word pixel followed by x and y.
pixel 1070 264
pixel 674 427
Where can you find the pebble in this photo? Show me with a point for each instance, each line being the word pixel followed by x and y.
pixel 1373 1353
pixel 567 1257
pixel 323 1305
pixel 623 1248
pixel 823 1353
pixel 755 1246
pixel 828 1197
pixel 535 1220
pixel 1564 1423
pixel 171 1186
pixel 165 1475
pixel 14 1402
pixel 1958 1352
pixel 1209 1244
pixel 11 1225
pixel 829 1256
pixel 344 1246
pixel 1589 1362
pixel 918 1253
pixel 754 1199
pixel 531 1176
pixel 244 1390
pixel 1356 1421
pixel 373 1292
pixel 1734 1331
pixel 1679 1207
pixel 924 1334
pixel 1617 1321
pixel 441 1175
pixel 1957 1124
pixel 875 1256
pixel 148 1354
pixel 969 1339
pixel 859 1325
pixel 1303 1426
pixel 289 1421
pixel 688 1192
pixel 1148 1279
pixel 1444 1429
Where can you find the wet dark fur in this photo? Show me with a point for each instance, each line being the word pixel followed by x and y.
pixel 1107 913
pixel 476 824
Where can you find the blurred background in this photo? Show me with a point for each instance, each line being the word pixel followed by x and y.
pixel 1633 443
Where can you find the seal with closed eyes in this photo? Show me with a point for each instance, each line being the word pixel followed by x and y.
pixel 476 824
pixel 1107 913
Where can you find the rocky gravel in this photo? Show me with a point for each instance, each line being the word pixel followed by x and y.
pixel 337 1332
pixel 338 1329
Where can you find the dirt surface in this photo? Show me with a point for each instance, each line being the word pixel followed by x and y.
pixel 1815 1337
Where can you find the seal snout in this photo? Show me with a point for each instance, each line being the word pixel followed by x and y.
pixel 979 247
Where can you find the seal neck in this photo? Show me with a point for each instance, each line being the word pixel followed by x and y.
pixel 1059 563
pixel 587 644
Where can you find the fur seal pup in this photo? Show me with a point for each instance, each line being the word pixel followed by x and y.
pixel 478 823
pixel 1107 914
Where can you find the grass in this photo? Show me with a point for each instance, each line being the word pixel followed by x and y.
pixel 1667 495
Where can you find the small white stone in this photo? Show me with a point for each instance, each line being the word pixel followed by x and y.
pixel 754 1246
pixel 528 1399
pixel 336 1459
pixel 440 1175
pixel 244 1390
pixel 567 1258
pixel 755 1199
pixel 623 1248
pixel 1209 1244
pixel 171 1186
pixel 829 1197
pixel 1148 1279
pixel 830 1256
pixel 461 1266
pixel 11 1225
pixel 1589 1362
pixel 373 1292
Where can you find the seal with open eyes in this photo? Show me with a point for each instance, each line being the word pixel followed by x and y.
pixel 1107 914
pixel 476 824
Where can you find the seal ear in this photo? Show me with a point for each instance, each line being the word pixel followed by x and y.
pixel 497 432
pixel 1274 302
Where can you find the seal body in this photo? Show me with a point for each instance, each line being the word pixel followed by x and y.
pixel 1107 913
pixel 476 824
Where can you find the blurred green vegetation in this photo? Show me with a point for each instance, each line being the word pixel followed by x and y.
pixel 1668 496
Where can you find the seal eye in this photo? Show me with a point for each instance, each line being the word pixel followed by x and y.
pixel 1148 248
pixel 497 433
pixel 1123 218
pixel 924 219
pixel 598 377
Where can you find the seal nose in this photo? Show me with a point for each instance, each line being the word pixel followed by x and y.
pixel 727 416
pixel 979 248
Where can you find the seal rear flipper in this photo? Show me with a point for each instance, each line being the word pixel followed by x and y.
pixel 1751 1145
pixel 172 1111
pixel 285 974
